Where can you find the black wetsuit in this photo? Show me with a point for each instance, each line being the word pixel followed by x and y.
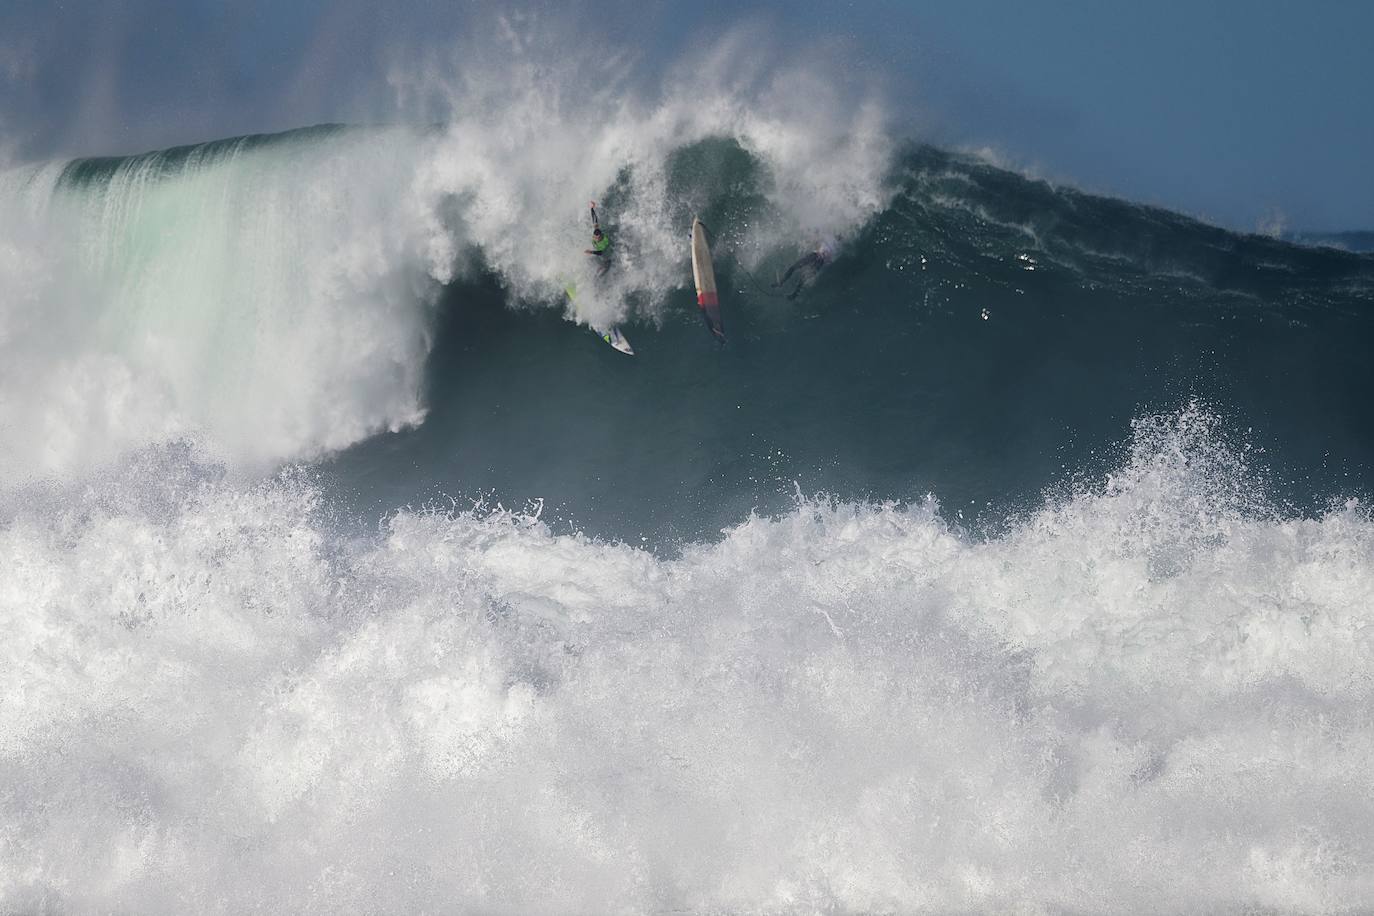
pixel 810 265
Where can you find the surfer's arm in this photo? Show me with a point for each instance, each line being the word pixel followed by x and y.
pixel 595 224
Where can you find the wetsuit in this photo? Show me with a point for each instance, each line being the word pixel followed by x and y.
pixel 600 246
pixel 810 265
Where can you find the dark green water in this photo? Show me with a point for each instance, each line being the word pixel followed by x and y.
pixel 983 339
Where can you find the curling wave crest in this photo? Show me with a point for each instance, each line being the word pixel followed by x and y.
pixel 272 298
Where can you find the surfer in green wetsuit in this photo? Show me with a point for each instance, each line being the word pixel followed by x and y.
pixel 601 245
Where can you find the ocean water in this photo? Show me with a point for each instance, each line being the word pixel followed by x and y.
pixel 1023 562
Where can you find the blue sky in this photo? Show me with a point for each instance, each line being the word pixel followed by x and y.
pixel 1234 111
pixel 1224 108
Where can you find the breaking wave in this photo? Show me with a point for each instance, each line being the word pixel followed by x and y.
pixel 1150 694
pixel 272 298
pixel 670 680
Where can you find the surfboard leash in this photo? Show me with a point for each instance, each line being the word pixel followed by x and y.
pixel 734 256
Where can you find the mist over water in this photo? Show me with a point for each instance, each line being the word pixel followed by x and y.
pixel 1023 560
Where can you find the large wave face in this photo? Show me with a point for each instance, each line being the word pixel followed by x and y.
pixel 982 337
pixel 1151 695
pixel 272 298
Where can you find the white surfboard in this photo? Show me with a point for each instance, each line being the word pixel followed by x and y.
pixel 617 340
pixel 612 336
pixel 704 274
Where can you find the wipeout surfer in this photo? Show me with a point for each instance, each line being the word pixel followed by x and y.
pixel 810 265
pixel 601 244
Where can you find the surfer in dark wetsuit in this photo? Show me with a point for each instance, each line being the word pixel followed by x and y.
pixel 601 245
pixel 809 265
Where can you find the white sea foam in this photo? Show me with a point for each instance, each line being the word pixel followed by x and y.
pixel 264 302
pixel 273 302
pixel 1151 696
pixel 539 121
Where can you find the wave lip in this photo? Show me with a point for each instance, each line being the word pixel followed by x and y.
pixel 257 296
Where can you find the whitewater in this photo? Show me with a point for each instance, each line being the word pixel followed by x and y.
pixel 1151 696
pixel 1023 563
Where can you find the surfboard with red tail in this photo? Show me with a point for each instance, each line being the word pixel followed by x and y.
pixel 704 273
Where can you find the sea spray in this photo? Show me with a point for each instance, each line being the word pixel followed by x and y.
pixel 273 298
pixel 1150 694
pixel 255 296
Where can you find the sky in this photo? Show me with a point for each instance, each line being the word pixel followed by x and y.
pixel 1249 114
